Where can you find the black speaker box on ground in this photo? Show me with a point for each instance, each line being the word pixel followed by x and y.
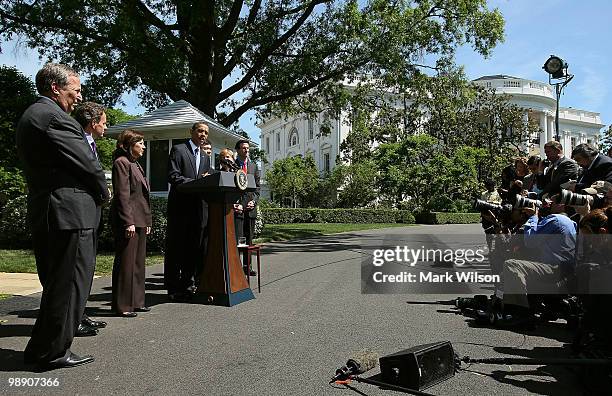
pixel 419 367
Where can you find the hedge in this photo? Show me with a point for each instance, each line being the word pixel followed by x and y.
pixel 299 215
pixel 447 218
pixel 14 233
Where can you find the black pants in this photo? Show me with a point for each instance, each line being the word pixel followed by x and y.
pixel 248 229
pixel 184 256
pixel 65 260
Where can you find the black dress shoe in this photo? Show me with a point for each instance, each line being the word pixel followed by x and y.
pixel 98 324
pixel 70 361
pixel 142 309
pixel 127 314
pixel 252 273
pixel 85 331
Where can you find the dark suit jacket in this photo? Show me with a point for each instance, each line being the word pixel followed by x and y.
pixel 131 205
pixel 186 209
pixel 252 169
pixel 66 184
pixel 601 169
pixel 564 171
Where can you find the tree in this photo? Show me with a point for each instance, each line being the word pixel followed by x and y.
pixel 16 94
pixel 229 56
pixel 295 178
pixel 358 184
pixel 106 145
pixel 606 141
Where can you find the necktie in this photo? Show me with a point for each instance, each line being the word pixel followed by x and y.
pixel 244 167
pixel 94 148
pixel 197 159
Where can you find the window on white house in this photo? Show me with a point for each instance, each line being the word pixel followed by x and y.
pixel 310 129
pixel 326 163
pixel 293 137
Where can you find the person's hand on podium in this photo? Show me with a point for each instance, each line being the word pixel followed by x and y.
pixel 250 205
pixel 238 208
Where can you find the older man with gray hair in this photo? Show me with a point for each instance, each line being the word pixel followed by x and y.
pixel 595 165
pixel 66 186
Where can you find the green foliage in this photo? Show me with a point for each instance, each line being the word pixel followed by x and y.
pixel 269 51
pixel 12 184
pixel 295 178
pixel 117 116
pixel 16 94
pixel 606 141
pixel 14 232
pixel 358 187
pixel 106 146
pixel 293 215
pixel 448 218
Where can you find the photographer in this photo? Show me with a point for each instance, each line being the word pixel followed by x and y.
pixel 530 181
pixel 560 170
pixel 553 238
pixel 488 219
pixel 595 166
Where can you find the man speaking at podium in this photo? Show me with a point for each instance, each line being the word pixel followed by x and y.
pixel 187 216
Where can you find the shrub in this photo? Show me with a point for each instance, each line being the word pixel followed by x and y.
pixel 447 218
pixel 14 231
pixel 300 215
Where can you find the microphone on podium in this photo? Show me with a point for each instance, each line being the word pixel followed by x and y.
pixel 359 363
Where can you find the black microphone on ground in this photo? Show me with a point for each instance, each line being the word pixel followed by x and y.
pixel 361 362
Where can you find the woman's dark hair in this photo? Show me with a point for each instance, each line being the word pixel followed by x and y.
pixel 126 140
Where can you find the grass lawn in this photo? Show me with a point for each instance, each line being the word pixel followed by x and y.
pixel 284 232
pixel 23 260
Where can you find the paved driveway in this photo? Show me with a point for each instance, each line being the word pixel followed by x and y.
pixel 308 319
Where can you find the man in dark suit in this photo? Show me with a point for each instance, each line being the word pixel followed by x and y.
pixel 66 187
pixel 92 118
pixel 187 216
pixel 250 199
pixel 595 166
pixel 560 170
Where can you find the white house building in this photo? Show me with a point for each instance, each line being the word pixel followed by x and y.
pixel 169 125
pixel 299 135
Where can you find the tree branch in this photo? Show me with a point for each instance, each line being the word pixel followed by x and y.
pixel 263 57
pixel 258 100
pixel 88 33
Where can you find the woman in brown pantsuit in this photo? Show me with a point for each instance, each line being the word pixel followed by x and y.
pixel 131 222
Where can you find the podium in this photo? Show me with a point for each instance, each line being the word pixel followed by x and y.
pixel 222 280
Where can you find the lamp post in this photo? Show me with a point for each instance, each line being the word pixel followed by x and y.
pixel 557 71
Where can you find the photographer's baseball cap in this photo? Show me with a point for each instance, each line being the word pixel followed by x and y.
pixel 599 187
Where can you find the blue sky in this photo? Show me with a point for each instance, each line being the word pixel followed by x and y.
pixel 578 31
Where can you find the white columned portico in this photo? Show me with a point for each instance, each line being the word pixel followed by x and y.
pixel 551 128
pixel 567 143
pixel 543 133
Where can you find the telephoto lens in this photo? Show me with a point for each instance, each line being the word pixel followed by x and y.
pixel 524 202
pixel 483 206
pixel 570 198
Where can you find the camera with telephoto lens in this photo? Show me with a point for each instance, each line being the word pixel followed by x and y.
pixel 570 198
pixel 483 206
pixel 520 202
pixel 567 197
